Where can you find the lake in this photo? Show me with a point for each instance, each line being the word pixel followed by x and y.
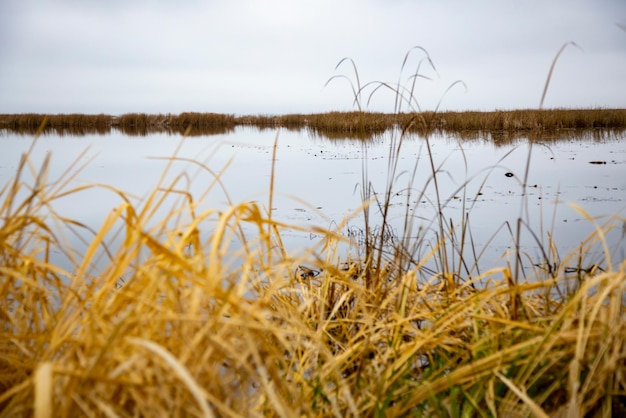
pixel 318 181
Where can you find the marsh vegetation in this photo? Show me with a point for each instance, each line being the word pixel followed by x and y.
pixel 188 321
pixel 181 321
pixel 511 124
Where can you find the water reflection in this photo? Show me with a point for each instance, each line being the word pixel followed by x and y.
pixel 319 179
pixel 129 130
pixel 190 131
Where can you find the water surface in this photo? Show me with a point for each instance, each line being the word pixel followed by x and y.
pixel 318 181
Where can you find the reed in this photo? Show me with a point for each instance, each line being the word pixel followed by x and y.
pixel 526 120
pixel 182 322
pixel 558 124
pixel 77 124
pixel 185 333
pixel 200 121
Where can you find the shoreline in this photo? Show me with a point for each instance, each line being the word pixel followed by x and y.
pixel 335 124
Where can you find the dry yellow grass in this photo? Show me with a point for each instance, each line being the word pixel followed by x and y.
pixel 188 333
pixel 180 323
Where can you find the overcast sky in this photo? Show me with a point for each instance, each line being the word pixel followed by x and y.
pixel 275 56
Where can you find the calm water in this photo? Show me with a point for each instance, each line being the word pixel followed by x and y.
pixel 318 181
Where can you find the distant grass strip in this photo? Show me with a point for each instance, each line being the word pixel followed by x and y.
pixel 497 124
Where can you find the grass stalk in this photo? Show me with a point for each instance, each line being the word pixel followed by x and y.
pixel 202 327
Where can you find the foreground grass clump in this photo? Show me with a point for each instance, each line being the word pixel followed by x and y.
pixel 182 323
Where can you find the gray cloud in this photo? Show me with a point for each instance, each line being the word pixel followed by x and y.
pixel 275 56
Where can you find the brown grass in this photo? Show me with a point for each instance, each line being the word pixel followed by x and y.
pixel 554 123
pixel 526 120
pixel 77 124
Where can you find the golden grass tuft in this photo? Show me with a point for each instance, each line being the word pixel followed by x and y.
pixel 180 323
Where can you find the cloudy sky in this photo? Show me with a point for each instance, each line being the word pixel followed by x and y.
pixel 275 56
